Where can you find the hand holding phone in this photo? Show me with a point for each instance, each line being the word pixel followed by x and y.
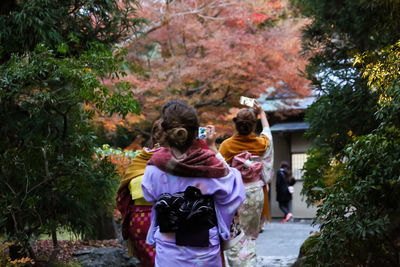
pixel 202 132
pixel 210 138
pixel 247 101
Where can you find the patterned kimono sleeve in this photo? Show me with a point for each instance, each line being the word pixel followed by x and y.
pixel 268 157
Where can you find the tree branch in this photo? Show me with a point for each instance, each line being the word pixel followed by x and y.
pixel 65 119
pixel 11 189
pixel 191 91
pixel 167 17
pixel 46 163
pixel 40 184
pixel 214 102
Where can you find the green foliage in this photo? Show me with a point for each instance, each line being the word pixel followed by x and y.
pixel 344 109
pixel 48 146
pixel 316 177
pixel 45 79
pixel 335 119
pixel 122 138
pixel 357 25
pixel 383 78
pixel 107 151
pixel 27 23
pixel 351 171
pixel 53 55
pixel 359 216
pixel 342 29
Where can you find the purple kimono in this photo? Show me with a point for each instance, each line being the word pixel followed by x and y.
pixel 228 195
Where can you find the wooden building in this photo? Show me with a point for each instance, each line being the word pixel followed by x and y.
pixel 286 118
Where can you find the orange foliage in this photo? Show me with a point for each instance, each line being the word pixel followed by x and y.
pixel 121 163
pixel 136 144
pixel 257 18
pixel 5 259
pixel 209 53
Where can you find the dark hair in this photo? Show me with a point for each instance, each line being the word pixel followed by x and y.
pixel 157 134
pixel 245 121
pixel 285 164
pixel 286 170
pixel 180 125
pixel 172 102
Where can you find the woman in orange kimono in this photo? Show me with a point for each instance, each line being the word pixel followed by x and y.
pixel 241 249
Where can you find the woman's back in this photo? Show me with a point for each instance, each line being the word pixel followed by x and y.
pixel 245 139
pixel 187 163
pixel 249 163
pixel 227 191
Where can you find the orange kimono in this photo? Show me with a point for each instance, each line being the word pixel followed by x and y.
pixel 239 143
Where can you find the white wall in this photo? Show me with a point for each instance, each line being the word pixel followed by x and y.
pixel 284 145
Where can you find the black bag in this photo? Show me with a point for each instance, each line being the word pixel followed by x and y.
pixel 189 214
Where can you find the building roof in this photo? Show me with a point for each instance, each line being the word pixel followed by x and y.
pixel 281 104
pixel 290 126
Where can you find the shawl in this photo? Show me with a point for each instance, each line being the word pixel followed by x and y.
pixel 136 168
pixel 239 143
pixel 197 161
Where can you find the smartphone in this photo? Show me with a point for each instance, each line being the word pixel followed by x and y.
pixel 202 132
pixel 247 101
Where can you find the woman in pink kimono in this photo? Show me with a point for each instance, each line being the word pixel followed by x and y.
pixel 195 195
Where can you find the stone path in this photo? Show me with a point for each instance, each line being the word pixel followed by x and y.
pixel 279 244
pixel 274 261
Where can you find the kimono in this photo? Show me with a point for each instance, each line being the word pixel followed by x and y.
pixel 241 251
pixel 136 212
pixel 268 173
pixel 250 212
pixel 228 194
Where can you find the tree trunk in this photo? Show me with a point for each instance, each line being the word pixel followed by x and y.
pixel 56 247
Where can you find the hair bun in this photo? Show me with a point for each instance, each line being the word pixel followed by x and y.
pixel 178 135
pixel 245 121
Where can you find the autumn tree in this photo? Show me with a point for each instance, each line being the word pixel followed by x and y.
pixel 53 55
pixel 209 53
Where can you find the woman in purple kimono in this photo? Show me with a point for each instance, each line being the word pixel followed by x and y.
pixel 195 195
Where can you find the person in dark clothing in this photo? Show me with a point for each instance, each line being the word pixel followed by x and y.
pixel 284 179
